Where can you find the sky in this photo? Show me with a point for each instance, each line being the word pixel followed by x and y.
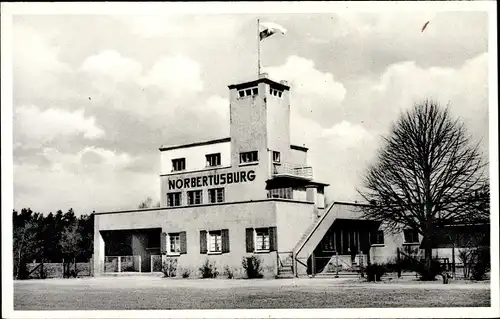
pixel 95 96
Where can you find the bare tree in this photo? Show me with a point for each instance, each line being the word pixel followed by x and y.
pixel 428 174
pixel 148 203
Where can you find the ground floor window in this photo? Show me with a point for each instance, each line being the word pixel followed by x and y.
pixel 175 243
pixel 261 239
pixel 377 237
pixel 214 241
pixel 411 236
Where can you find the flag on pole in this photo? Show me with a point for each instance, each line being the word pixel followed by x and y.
pixel 267 29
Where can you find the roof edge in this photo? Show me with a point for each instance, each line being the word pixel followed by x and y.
pixel 298 148
pixel 221 140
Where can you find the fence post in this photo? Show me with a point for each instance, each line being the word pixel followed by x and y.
pixel 337 264
pixel 119 263
pixel 140 263
pixel 151 258
pixel 398 262
pixel 313 265
pixel 453 260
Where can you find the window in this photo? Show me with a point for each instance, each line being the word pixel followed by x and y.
pixel 261 239
pixel 195 197
pixel 178 164
pixel 174 199
pixel 214 241
pixel 377 237
pixel 286 193
pixel 175 243
pixel 411 236
pixel 275 92
pixel 216 195
pixel 249 157
pixel 276 157
pixel 213 159
pixel 248 92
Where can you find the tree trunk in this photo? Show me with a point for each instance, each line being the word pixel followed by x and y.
pixel 428 234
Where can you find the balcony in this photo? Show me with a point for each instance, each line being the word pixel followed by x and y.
pixel 292 170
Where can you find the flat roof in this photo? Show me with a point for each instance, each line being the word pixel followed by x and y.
pixel 136 210
pixel 266 80
pixel 221 140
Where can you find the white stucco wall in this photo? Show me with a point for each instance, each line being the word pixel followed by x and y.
pixel 195 156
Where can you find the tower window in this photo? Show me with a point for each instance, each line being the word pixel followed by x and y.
pixel 275 92
pixel 248 92
pixel 213 159
pixel 249 157
pixel 178 164
pixel 276 157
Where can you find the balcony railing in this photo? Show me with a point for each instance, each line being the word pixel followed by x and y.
pixel 286 169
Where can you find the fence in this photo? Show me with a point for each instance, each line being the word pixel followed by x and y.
pixel 338 264
pixel 156 263
pixel 122 264
pixel 55 270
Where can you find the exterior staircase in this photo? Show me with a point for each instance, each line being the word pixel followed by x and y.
pixel 285 265
pixel 315 233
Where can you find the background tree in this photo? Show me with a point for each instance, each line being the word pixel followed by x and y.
pixel 50 239
pixel 428 174
pixel 148 203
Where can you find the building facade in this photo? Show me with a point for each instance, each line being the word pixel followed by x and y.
pixel 249 194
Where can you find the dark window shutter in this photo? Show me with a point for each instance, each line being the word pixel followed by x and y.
pixel 203 241
pixel 163 243
pixel 182 237
pixel 249 240
pixel 273 239
pixel 225 240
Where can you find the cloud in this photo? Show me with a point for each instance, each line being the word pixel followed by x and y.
pixel 177 75
pixel 112 64
pixel 181 26
pixel 46 125
pixel 315 94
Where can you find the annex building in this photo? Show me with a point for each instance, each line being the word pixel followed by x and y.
pixel 252 193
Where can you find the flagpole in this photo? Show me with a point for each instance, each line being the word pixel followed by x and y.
pixel 258 49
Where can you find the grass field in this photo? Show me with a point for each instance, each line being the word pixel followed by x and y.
pixel 158 293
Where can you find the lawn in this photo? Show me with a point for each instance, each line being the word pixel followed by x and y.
pixel 139 293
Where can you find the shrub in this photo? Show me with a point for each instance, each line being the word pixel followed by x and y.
pixel 428 275
pixel 374 272
pixel 482 264
pixel 208 270
pixel 185 272
pixel 169 268
pixel 228 272
pixel 252 266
